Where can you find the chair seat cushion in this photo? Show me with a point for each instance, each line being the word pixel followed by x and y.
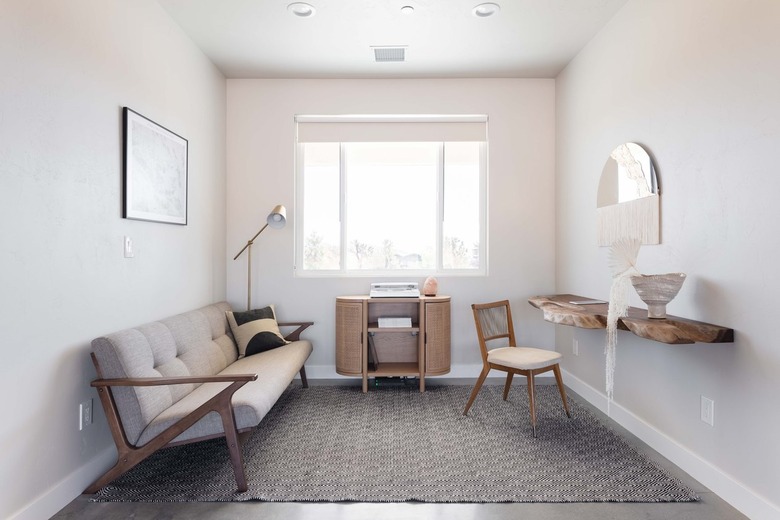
pixel 523 358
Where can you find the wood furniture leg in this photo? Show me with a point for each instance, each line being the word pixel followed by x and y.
pixel 477 387
pixel 508 384
pixel 531 399
pixel 561 389
pixel 231 437
pixel 304 381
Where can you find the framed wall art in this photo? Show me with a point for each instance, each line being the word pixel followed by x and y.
pixel 155 171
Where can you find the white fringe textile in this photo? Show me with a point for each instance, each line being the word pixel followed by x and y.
pixel 623 255
pixel 638 218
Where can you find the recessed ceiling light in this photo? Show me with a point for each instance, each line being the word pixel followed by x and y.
pixel 407 9
pixel 485 10
pixel 302 9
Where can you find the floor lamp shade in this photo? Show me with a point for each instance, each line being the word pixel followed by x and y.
pixel 276 219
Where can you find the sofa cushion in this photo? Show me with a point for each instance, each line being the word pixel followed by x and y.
pixel 274 368
pixel 193 343
pixel 256 330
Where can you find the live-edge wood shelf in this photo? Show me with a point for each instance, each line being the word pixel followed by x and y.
pixel 672 330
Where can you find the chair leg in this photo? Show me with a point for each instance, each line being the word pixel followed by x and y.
pixel 477 387
pixel 304 381
pixel 508 384
pixel 532 400
pixel 561 389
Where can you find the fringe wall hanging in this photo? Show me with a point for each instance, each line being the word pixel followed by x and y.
pixel 622 262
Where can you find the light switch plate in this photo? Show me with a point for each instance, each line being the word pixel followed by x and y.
pixel 129 247
pixel 708 410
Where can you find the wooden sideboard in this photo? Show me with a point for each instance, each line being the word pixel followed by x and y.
pixel 423 349
pixel 673 329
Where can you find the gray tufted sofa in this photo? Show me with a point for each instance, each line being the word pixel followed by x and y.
pixel 180 380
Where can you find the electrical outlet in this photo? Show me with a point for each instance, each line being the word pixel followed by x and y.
pixel 85 414
pixel 129 247
pixel 575 347
pixel 708 410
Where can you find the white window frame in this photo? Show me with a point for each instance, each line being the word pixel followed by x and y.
pixel 343 272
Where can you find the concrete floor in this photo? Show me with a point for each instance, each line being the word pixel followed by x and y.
pixel 710 507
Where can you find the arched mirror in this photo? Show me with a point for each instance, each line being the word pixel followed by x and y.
pixel 627 203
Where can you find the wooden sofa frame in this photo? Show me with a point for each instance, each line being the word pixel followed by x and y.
pixel 129 455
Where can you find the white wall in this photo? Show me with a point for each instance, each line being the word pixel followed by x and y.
pixel 696 82
pixel 260 146
pixel 68 68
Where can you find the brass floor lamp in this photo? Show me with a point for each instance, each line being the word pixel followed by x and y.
pixel 276 219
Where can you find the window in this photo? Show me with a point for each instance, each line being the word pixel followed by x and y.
pixel 383 198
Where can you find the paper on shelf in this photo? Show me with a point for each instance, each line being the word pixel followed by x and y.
pixel 394 322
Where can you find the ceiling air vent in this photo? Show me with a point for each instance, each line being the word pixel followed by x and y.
pixel 382 54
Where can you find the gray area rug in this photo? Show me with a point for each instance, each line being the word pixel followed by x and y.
pixel 394 444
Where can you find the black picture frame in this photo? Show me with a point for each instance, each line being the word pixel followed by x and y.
pixel 155 172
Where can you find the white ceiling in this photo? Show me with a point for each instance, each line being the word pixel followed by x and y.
pixel 262 39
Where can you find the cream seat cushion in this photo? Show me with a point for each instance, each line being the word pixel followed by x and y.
pixel 274 368
pixel 523 358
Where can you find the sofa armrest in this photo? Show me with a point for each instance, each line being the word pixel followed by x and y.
pixel 296 334
pixel 130 455
pixel 178 380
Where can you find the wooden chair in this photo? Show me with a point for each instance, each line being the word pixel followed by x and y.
pixel 494 322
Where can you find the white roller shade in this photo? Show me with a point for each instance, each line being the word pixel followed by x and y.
pixel 353 129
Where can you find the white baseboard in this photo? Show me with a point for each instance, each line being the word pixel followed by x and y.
pixel 741 497
pixel 470 371
pixel 52 500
